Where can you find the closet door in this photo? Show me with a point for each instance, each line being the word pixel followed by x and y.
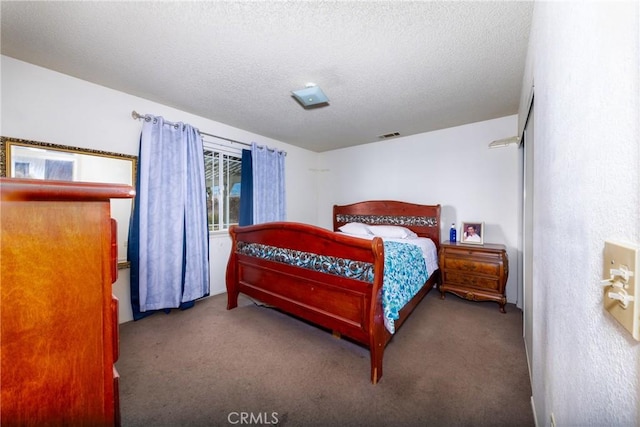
pixel 527 247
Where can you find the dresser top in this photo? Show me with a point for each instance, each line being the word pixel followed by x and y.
pixel 16 189
pixel 484 246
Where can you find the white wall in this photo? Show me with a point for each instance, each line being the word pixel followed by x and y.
pixel 585 63
pixel 453 167
pixel 42 105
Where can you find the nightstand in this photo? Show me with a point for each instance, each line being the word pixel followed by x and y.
pixel 474 272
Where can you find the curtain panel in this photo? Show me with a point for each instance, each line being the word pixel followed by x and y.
pixel 268 184
pixel 246 190
pixel 168 242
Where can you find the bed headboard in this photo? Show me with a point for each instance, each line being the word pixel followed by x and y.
pixel 424 220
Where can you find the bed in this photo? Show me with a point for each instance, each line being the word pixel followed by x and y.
pixel 335 278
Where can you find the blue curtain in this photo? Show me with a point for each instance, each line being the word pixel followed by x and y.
pixel 168 240
pixel 246 190
pixel 268 184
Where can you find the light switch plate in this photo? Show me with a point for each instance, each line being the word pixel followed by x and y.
pixel 622 258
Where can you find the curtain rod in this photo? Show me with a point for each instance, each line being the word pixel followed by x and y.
pixel 137 116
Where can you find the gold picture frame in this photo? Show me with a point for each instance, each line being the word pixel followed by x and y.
pixel 21 158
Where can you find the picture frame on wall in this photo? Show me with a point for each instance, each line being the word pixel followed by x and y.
pixel 472 232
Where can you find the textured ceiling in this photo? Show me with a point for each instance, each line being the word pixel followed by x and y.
pixel 386 66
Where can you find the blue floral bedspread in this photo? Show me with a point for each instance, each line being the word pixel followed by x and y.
pixel 405 272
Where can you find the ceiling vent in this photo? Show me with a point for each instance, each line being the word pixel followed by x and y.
pixel 389 135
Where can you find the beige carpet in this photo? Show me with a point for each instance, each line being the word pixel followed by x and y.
pixel 453 363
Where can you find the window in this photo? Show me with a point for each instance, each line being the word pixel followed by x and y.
pixel 222 168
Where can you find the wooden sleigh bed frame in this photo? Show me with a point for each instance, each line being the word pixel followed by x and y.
pixel 291 266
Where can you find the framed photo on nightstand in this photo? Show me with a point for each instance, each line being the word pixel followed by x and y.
pixel 472 233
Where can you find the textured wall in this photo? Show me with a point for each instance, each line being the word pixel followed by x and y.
pixel 453 167
pixel 42 105
pixel 585 58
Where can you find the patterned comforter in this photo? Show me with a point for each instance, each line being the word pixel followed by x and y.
pixel 405 272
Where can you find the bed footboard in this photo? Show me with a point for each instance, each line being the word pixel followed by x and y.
pixel 332 280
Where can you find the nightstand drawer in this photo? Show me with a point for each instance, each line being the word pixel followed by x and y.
pixel 479 282
pixel 472 265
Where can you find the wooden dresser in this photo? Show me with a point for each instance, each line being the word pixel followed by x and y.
pixel 59 330
pixel 474 272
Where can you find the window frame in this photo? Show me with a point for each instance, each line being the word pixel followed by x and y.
pixel 222 182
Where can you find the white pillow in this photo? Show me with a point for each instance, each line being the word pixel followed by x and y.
pixel 355 228
pixel 391 232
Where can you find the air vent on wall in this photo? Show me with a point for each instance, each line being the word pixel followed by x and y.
pixel 389 135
